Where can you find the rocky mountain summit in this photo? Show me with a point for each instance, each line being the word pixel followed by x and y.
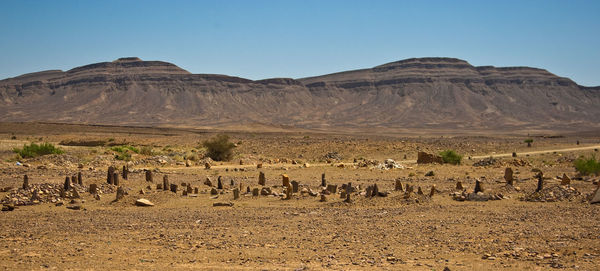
pixel 421 93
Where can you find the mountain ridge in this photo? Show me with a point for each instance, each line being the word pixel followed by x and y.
pixel 418 93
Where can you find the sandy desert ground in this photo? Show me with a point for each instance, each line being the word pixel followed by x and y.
pixel 397 232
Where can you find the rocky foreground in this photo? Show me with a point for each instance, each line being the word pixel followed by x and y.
pixel 177 221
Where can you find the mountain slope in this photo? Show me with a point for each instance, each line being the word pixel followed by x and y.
pixel 435 93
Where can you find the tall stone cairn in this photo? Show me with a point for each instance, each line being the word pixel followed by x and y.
pixel 323 180
pixel 110 175
pixel 508 176
pixel 25 182
pixel 116 178
pixel 79 178
pixel 166 182
pixel 149 176
pixel 219 183
pixel 478 187
pixel 540 184
pixel 67 184
pixel 125 172
pixel 261 178
pixel 285 180
pixel 236 193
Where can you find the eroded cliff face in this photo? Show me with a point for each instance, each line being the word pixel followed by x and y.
pixel 437 93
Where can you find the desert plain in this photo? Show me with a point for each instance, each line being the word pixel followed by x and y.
pixel 511 228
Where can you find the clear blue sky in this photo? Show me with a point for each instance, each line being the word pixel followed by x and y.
pixel 263 39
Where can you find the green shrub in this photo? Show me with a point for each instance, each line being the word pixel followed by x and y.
pixel 124 148
pixel 219 148
pixel 124 152
pixel 587 166
pixel 146 150
pixel 125 156
pixel 33 150
pixel 451 157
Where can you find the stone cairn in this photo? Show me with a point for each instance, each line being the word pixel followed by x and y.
pixel 208 182
pixel 331 188
pixel 25 182
pixel 219 183
pixel 565 180
pixel 110 174
pixel 116 178
pixel 93 188
pixel 432 191
pixel 174 188
pixel 261 178
pixel 323 180
pixel 459 186
pixel 125 172
pixel 540 184
pixel 67 184
pixel 398 186
pixel 373 191
pixel 508 176
pixel 149 176
pixel 120 193
pixel 478 187
pixel 165 185
pixel 79 178
pixel 285 180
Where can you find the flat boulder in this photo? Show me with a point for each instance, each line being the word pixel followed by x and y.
pixel 143 203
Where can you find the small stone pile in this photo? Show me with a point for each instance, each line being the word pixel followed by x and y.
pixel 333 156
pixel 480 196
pixel 519 163
pixel 48 192
pixel 490 161
pixel 554 193
pixel 389 164
pixel 477 195
pixel 368 163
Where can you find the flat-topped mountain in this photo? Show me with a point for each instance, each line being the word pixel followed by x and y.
pixel 424 93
